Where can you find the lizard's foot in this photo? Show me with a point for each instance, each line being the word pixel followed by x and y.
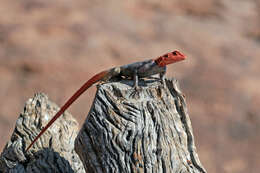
pixel 163 83
pixel 136 90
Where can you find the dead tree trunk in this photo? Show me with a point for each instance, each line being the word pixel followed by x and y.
pixel 147 130
pixel 53 152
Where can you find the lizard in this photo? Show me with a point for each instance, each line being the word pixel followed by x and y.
pixel 134 71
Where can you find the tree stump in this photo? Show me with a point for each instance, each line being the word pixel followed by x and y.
pixel 53 152
pixel 144 130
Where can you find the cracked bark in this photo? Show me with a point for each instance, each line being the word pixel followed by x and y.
pixel 148 130
pixel 53 152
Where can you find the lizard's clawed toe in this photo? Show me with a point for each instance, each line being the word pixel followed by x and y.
pixel 136 90
pixel 163 83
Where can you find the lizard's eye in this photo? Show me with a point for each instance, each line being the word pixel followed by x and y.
pixel 174 53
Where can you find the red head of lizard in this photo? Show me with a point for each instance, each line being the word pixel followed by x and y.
pixel 169 58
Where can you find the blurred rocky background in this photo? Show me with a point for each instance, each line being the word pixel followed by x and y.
pixel 54 46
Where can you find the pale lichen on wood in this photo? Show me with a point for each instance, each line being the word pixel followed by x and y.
pixel 147 130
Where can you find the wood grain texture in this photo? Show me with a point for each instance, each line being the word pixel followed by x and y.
pixel 53 152
pixel 147 130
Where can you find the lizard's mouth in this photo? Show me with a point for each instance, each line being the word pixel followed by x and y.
pixel 175 56
pixel 174 59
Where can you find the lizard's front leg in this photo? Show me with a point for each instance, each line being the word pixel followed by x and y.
pixel 162 77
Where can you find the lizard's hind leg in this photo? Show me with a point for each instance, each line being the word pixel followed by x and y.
pixel 136 82
pixel 162 78
pixel 136 87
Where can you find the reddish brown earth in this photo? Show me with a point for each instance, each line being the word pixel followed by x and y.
pixel 54 46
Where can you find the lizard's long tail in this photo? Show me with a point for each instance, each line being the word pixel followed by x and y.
pixel 84 87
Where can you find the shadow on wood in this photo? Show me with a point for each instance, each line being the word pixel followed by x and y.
pixel 147 130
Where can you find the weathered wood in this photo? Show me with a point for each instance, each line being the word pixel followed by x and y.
pixel 148 130
pixel 53 152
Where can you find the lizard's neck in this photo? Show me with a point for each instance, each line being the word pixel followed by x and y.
pixel 159 61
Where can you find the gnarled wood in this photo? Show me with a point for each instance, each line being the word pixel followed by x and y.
pixel 147 130
pixel 53 152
